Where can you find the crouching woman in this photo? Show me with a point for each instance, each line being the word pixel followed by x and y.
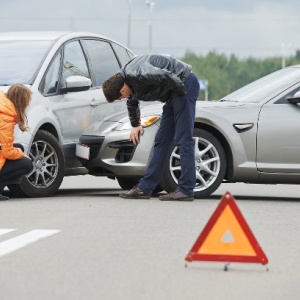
pixel 14 163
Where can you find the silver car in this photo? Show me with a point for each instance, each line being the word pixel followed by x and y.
pixel 65 71
pixel 251 135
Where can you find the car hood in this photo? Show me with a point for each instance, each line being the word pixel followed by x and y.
pixel 154 108
pixel 147 108
pixel 110 123
pixel 218 104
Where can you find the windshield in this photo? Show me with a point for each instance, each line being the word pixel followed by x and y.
pixel 19 60
pixel 266 87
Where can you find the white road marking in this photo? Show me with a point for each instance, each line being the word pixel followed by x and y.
pixel 23 240
pixel 4 231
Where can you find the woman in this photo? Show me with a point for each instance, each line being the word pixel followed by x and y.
pixel 13 162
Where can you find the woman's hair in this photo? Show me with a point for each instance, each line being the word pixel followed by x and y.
pixel 112 86
pixel 20 96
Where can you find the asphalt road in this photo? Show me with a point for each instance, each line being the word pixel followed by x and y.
pixel 87 243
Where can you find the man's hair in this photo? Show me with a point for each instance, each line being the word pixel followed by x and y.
pixel 112 86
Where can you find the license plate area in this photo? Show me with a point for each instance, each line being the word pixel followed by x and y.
pixel 83 151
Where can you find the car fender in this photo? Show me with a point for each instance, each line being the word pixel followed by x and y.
pixel 220 123
pixel 37 117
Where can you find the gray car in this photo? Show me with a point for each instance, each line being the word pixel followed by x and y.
pixel 65 71
pixel 251 135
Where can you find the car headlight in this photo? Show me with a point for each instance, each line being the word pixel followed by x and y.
pixel 148 121
pixel 145 122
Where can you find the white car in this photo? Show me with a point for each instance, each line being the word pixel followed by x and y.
pixel 65 71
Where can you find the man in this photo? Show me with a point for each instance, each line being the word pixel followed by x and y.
pixel 156 77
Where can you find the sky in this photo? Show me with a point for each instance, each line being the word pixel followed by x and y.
pixel 256 28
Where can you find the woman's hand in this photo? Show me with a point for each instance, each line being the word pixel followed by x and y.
pixel 135 134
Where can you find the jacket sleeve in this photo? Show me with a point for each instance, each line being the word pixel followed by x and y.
pixel 6 141
pixel 133 111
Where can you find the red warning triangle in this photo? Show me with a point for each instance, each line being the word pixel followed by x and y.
pixel 227 237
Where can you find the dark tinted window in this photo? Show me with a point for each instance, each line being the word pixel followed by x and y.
pixel 103 60
pixel 123 55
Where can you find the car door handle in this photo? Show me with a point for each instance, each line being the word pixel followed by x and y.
pixel 94 102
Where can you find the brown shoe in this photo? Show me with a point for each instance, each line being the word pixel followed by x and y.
pixel 134 193
pixel 176 196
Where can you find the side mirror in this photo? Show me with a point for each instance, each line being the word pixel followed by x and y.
pixel 77 84
pixel 294 99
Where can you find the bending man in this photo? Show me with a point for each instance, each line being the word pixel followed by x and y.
pixel 156 77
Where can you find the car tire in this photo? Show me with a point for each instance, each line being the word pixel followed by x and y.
pixel 48 172
pixel 210 165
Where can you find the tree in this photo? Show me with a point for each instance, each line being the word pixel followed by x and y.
pixel 226 74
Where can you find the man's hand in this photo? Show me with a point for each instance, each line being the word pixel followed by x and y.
pixel 135 134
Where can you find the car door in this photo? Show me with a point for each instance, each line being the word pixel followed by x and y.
pixel 278 136
pixel 71 109
pixel 76 111
pixel 103 64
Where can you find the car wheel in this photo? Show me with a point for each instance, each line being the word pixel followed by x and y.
pixel 210 161
pixel 49 166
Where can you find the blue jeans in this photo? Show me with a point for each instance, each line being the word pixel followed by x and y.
pixel 13 169
pixel 177 122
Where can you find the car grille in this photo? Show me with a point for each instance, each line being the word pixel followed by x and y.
pixel 125 152
pixel 95 144
pixel 94 150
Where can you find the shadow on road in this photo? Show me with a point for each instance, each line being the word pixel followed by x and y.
pixel 114 192
pixel 109 192
pixel 255 198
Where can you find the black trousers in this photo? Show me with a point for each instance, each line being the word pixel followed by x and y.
pixel 13 169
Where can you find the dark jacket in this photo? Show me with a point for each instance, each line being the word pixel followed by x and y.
pixel 153 77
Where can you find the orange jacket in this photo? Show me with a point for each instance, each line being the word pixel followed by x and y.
pixel 8 118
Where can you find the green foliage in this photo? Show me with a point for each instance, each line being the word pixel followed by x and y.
pixel 226 74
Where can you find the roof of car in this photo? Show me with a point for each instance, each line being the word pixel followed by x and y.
pixel 32 35
pixel 49 36
pixel 42 35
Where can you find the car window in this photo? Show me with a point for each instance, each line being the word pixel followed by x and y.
pixel 74 63
pixel 49 84
pixel 266 87
pixel 291 93
pixel 103 60
pixel 122 53
pixel 19 60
